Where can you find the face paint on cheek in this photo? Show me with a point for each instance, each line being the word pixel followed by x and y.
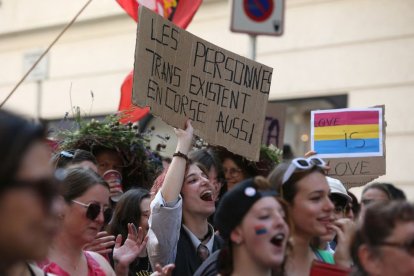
pixel 260 229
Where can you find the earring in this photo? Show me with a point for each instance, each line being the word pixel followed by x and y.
pixel 238 241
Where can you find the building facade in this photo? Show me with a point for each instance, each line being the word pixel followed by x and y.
pixel 334 53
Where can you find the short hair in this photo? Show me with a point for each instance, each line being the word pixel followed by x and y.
pixel 395 192
pixel 379 221
pixel 379 186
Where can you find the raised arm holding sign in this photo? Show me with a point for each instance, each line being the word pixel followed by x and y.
pixel 181 76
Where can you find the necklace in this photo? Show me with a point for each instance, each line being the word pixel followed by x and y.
pixel 206 236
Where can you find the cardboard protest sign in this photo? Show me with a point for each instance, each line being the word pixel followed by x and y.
pixel 181 76
pixel 274 126
pixel 352 141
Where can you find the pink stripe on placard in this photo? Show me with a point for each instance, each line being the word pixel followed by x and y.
pixel 346 118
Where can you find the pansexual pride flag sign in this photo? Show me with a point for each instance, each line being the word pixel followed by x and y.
pixel 347 132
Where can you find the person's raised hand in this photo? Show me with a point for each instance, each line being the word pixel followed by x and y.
pixel 310 153
pixel 163 271
pixel 135 243
pixel 102 243
pixel 185 137
pixel 345 229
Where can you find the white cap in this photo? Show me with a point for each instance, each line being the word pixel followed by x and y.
pixel 338 188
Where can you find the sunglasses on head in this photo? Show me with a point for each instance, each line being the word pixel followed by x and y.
pixel 406 246
pixel 67 154
pixel 302 164
pixel 94 209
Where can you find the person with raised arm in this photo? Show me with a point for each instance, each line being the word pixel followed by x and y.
pixel 179 232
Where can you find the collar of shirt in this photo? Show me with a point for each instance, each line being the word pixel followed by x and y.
pixel 196 242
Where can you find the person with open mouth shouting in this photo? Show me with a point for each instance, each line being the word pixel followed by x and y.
pixel 253 222
pixel 179 232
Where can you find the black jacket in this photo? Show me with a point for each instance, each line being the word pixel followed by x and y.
pixel 187 261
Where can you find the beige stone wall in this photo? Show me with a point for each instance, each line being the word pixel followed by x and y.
pixel 362 48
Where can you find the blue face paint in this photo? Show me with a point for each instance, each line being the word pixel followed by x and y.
pixel 260 230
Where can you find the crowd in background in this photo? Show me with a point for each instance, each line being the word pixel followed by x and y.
pixel 108 205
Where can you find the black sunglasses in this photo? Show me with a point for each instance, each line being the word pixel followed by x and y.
pixel 406 246
pixel 94 209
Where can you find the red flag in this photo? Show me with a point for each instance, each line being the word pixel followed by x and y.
pixel 181 12
pixel 185 12
pixel 130 113
pixel 131 8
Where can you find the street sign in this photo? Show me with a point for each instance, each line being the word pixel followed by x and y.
pixel 41 71
pixel 258 17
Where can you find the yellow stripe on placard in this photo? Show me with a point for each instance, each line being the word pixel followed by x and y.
pixel 351 131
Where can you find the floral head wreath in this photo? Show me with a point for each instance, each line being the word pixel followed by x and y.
pixel 141 165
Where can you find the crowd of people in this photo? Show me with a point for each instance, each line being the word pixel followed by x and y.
pixel 102 203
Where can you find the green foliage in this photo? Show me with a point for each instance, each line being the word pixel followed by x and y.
pixel 272 153
pixel 108 134
pixel 141 165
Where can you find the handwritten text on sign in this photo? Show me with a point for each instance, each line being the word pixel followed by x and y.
pixel 181 76
pixel 347 132
pixel 274 126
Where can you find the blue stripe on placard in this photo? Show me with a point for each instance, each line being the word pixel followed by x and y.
pixel 347 146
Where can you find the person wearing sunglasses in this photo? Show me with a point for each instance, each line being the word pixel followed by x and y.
pixel 71 158
pixel 86 208
pixel 302 183
pixel 384 241
pixel 28 195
